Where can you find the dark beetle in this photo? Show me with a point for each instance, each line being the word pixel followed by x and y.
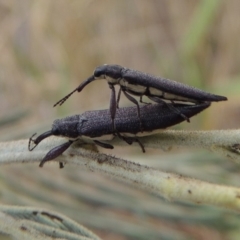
pixel 142 84
pixel 97 125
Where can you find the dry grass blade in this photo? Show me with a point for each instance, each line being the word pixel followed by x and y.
pixel 33 223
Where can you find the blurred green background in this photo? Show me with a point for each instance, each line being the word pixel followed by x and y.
pixel 48 47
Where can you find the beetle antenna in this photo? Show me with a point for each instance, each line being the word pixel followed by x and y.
pixel 79 89
pixel 38 139
pixel 61 101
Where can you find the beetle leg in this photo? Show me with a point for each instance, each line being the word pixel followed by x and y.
pixel 113 105
pixel 141 101
pixel 140 144
pixel 102 144
pixel 61 165
pixel 133 100
pixel 55 152
pixel 130 140
pixel 170 106
pixel 118 97
pixel 178 111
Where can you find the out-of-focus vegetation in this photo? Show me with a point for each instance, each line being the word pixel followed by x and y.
pixel 48 47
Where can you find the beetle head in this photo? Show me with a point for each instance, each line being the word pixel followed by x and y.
pixel 110 72
pixel 66 127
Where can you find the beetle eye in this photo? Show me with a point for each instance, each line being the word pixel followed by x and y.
pixel 55 131
pixel 99 72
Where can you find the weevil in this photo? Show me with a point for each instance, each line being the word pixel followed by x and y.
pixel 97 126
pixel 141 84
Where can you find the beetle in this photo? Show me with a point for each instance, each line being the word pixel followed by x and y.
pixel 141 84
pixel 97 126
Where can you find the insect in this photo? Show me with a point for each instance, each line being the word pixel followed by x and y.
pixel 97 126
pixel 141 84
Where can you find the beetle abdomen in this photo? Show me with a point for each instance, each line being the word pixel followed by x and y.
pixel 157 85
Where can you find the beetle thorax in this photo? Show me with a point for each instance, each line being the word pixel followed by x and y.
pixel 112 73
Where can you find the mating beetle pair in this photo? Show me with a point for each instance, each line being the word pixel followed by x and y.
pixel 128 123
pixel 96 125
pixel 141 84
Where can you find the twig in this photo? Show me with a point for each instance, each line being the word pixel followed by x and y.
pixel 170 186
pixel 223 142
